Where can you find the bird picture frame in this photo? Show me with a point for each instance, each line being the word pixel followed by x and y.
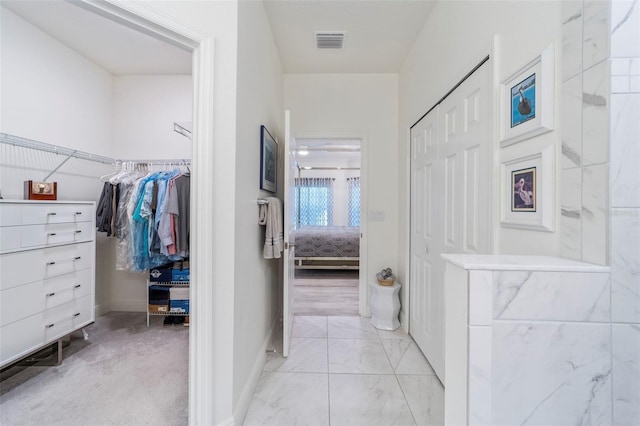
pixel 527 100
pixel 528 191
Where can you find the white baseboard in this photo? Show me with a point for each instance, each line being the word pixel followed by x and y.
pixel 128 305
pixel 102 309
pixel 246 395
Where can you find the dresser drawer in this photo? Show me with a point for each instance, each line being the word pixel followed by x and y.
pixel 56 213
pixel 25 300
pixel 35 265
pixel 63 319
pixel 10 214
pixel 21 337
pixel 24 237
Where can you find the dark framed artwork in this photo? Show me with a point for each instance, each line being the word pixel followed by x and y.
pixel 528 191
pixel 527 100
pixel 523 194
pixel 268 161
pixel 523 101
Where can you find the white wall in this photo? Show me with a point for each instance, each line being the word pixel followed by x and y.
pixel 456 36
pixel 357 105
pixel 50 93
pixel 257 299
pixel 145 108
pixel 340 191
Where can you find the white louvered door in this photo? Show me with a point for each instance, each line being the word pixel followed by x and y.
pixel 451 167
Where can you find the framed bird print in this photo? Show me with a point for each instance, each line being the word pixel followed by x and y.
pixel 528 191
pixel 527 100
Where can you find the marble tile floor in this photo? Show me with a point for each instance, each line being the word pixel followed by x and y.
pixel 342 371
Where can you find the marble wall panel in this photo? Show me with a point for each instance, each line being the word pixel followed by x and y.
pixel 480 296
pixel 570 214
pixel 551 296
pixel 625 265
pixel 595 114
pixel 571 39
pixel 625 28
pixel 551 373
pixel 571 110
pixel 625 150
pixel 595 209
pixel 595 33
pixel 479 376
pixel 626 374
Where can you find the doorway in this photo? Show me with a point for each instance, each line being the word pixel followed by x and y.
pixel 328 235
pixel 200 47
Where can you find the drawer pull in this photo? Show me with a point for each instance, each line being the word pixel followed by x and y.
pixel 77 286
pixel 51 234
pixel 78 212
pixel 50 294
pixel 77 314
pixel 52 214
pixel 49 325
pixel 72 260
pixel 78 231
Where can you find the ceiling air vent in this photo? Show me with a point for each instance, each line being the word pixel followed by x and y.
pixel 330 39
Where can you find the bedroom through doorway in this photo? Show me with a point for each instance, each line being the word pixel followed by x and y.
pixel 328 235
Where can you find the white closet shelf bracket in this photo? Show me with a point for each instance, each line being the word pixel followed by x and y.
pixel 183 128
pixel 55 149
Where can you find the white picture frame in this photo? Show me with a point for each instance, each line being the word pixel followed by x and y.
pixel 528 191
pixel 527 100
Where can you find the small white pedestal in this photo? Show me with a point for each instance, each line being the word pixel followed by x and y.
pixel 385 306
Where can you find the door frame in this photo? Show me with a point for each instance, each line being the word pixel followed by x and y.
pixel 363 288
pixel 202 356
pixel 493 63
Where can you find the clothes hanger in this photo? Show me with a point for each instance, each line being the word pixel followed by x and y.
pixel 106 177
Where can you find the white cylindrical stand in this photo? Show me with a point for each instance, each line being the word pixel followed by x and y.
pixel 385 306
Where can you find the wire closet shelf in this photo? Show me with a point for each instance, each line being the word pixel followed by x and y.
pixel 19 141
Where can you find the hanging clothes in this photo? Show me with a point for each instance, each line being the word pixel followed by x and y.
pixel 148 213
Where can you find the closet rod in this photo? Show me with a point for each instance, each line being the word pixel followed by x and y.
pixel 41 146
pixel 329 168
pixel 178 162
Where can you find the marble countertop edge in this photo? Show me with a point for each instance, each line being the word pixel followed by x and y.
pixel 500 262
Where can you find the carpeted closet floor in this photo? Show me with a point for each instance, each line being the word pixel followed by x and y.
pixel 124 374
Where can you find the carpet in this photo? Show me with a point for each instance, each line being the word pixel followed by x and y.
pixel 124 374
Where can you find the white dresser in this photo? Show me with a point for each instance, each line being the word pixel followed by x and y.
pixel 47 273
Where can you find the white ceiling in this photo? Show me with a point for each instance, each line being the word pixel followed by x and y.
pixel 328 152
pixel 116 48
pixel 379 34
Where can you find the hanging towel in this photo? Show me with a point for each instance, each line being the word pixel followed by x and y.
pixel 270 214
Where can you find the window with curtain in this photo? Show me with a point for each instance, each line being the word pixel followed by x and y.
pixel 314 201
pixel 354 201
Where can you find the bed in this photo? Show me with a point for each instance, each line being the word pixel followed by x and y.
pixel 327 247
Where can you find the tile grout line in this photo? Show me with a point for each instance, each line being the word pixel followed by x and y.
pixel 328 377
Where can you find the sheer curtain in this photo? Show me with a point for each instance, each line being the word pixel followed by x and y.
pixel 354 201
pixel 314 201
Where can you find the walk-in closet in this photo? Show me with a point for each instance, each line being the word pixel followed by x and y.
pixel 105 112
